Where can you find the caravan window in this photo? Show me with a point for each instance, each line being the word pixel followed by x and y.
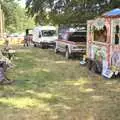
pixel 117 28
pixel 100 35
pixel 117 39
pixel 48 33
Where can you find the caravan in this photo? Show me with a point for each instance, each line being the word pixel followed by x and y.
pixel 103 43
pixel 44 36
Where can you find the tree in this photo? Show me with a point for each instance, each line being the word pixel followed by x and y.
pixel 8 8
pixel 39 9
pixel 15 17
pixel 68 11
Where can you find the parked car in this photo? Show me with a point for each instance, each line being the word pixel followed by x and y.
pixel 71 43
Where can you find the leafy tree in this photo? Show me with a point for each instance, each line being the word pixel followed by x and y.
pixel 39 9
pixel 8 7
pixel 68 11
pixel 15 17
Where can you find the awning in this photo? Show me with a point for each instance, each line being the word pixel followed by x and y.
pixel 112 13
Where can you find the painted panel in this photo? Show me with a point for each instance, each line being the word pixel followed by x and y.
pixel 89 37
pixel 98 53
pixel 115 58
pixel 115 22
pixel 115 48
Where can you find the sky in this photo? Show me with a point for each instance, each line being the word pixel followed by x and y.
pixel 22 3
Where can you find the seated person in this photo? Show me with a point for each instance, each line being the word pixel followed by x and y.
pixel 7 50
pixel 5 60
pixel 5 63
pixel 3 78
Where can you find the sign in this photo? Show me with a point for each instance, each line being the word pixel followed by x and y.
pixel 107 73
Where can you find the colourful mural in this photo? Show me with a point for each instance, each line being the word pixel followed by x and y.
pixel 99 53
pixel 115 61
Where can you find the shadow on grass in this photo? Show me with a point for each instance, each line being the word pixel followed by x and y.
pixel 49 87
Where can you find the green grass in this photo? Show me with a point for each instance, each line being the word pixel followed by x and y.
pixel 48 87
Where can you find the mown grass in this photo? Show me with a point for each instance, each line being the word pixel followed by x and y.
pixel 48 87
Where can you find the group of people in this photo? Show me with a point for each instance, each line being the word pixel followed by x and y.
pixel 6 54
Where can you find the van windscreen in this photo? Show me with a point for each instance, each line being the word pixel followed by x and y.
pixel 48 33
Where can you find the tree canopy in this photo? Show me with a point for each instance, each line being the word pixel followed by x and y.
pixel 15 16
pixel 52 11
pixel 68 11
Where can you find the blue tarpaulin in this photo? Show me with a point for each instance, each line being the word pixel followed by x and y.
pixel 112 13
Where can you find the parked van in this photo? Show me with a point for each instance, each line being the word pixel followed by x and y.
pixel 44 36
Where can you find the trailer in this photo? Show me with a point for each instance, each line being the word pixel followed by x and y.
pixel 103 43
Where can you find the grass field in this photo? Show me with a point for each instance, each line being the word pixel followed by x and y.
pixel 48 87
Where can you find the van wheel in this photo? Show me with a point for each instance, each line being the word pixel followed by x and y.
pixel 67 55
pixel 46 46
pixel 41 45
pixel 35 45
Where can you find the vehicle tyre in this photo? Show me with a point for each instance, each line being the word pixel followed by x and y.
pixel 46 46
pixel 35 45
pixel 67 55
pixel 56 50
pixel 41 45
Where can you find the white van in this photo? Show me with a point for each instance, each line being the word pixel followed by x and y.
pixel 44 36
